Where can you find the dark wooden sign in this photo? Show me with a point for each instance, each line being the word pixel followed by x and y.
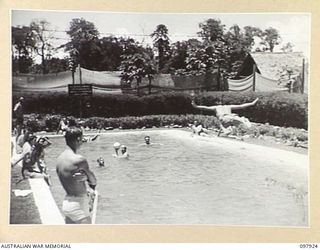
pixel 80 89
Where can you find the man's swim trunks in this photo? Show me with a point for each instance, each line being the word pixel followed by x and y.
pixel 76 207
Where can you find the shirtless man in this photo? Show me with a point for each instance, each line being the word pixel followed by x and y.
pixel 73 171
pixel 148 142
pixel 225 115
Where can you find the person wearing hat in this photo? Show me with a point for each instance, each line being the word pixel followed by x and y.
pixel 123 151
pixel 116 147
pixel 18 114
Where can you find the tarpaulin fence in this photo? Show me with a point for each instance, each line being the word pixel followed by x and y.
pixel 262 84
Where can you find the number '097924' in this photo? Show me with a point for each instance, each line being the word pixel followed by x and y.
pixel 308 246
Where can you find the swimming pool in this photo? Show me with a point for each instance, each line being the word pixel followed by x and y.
pixel 193 180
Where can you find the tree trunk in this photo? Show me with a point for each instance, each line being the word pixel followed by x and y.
pixel 271 47
pixel 138 86
pixel 149 78
pixel 160 58
pixel 43 63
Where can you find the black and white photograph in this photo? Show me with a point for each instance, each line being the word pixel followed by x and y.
pixel 127 118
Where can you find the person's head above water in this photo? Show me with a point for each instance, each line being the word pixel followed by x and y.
pixel 73 137
pixel 116 145
pixel 123 148
pixel 195 123
pixel 147 139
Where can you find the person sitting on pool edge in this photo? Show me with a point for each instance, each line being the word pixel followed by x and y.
pixel 89 138
pixel 38 153
pixel 198 129
pixel 63 125
pixel 29 158
pixel 225 116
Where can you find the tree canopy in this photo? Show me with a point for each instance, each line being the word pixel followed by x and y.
pixel 216 48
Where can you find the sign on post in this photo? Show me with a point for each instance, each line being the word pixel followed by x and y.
pixel 80 89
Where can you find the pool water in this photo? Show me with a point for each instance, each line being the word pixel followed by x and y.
pixel 193 180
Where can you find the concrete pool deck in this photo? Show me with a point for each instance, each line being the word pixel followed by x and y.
pixel 47 207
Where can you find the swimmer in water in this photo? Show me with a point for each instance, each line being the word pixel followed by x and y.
pixel 116 147
pixel 100 161
pixel 148 142
pixel 124 153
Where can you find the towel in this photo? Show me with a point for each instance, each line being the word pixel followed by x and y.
pixel 18 192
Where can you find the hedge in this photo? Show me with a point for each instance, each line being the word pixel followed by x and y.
pixel 282 109
pixel 50 123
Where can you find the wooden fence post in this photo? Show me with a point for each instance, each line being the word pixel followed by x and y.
pixel 254 78
pixel 302 76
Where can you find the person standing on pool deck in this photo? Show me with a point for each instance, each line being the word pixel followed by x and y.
pixel 18 113
pixel 225 115
pixel 63 125
pixel 73 171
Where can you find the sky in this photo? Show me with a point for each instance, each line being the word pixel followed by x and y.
pixel 293 27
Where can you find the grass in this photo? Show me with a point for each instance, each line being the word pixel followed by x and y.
pixel 23 210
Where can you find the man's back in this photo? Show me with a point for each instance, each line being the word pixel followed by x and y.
pixel 68 164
